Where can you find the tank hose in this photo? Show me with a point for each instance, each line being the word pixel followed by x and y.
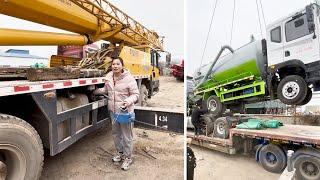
pixel 213 63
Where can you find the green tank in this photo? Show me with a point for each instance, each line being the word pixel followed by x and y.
pixel 246 61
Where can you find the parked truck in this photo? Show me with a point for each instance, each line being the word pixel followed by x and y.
pixel 285 66
pixel 269 146
pixel 54 114
pixel 177 70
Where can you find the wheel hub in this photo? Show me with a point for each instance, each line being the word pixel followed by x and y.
pixel 3 169
pixel 212 105
pixel 271 158
pixel 310 169
pixel 12 162
pixel 220 128
pixel 290 90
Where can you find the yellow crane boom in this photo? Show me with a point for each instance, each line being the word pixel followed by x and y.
pixel 92 20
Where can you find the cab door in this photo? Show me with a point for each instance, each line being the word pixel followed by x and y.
pixel 300 41
pixel 154 83
pixel 155 64
pixel 275 44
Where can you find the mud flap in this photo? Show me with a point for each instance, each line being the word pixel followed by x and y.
pixel 258 148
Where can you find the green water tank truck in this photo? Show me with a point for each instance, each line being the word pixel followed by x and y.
pixel 284 66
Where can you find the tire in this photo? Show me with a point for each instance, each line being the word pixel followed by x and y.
pixel 208 122
pixel 214 105
pixel 20 148
pixel 143 95
pixel 272 158
pixel 221 128
pixel 292 90
pixel 308 97
pixel 307 165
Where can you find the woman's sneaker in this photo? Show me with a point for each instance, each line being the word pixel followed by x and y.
pixel 126 164
pixel 118 157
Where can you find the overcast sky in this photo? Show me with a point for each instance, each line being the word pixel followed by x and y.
pixel 246 22
pixel 164 16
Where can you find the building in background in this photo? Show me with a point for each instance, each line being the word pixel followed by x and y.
pixel 277 107
pixel 313 107
pixel 20 58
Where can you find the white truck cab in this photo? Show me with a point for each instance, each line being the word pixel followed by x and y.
pixel 295 37
pixel 293 56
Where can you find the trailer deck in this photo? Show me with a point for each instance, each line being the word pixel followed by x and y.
pixel 289 134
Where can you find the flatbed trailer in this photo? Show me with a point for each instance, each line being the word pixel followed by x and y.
pixel 270 147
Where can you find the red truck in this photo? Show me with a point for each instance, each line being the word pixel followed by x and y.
pixel 177 70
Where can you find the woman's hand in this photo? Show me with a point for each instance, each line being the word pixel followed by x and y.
pixel 125 104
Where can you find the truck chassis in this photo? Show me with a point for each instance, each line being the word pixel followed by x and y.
pixel 270 146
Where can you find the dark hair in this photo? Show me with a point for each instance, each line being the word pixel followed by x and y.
pixel 199 102
pixel 120 59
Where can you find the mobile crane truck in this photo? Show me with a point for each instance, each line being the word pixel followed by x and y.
pixel 56 113
pixel 285 66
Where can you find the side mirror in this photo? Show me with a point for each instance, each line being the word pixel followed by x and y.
pixel 311 27
pixel 309 13
pixel 310 19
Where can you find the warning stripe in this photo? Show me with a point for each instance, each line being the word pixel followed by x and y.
pixel 68 83
pixel 22 87
pixel 47 86
pixel 82 82
pixel 94 80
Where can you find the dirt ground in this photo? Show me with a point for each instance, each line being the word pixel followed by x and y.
pixel 217 165
pixel 171 94
pixel 90 157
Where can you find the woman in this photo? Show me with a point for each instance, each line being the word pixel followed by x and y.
pixel 122 92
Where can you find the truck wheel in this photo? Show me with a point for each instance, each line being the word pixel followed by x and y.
pixel 221 128
pixel 292 90
pixel 21 150
pixel 214 105
pixel 272 158
pixel 308 97
pixel 143 95
pixel 307 165
pixel 208 122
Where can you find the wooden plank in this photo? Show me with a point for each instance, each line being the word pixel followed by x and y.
pixel 47 74
pixel 10 72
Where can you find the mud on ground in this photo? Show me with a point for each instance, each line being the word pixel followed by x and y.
pixel 171 94
pixel 217 165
